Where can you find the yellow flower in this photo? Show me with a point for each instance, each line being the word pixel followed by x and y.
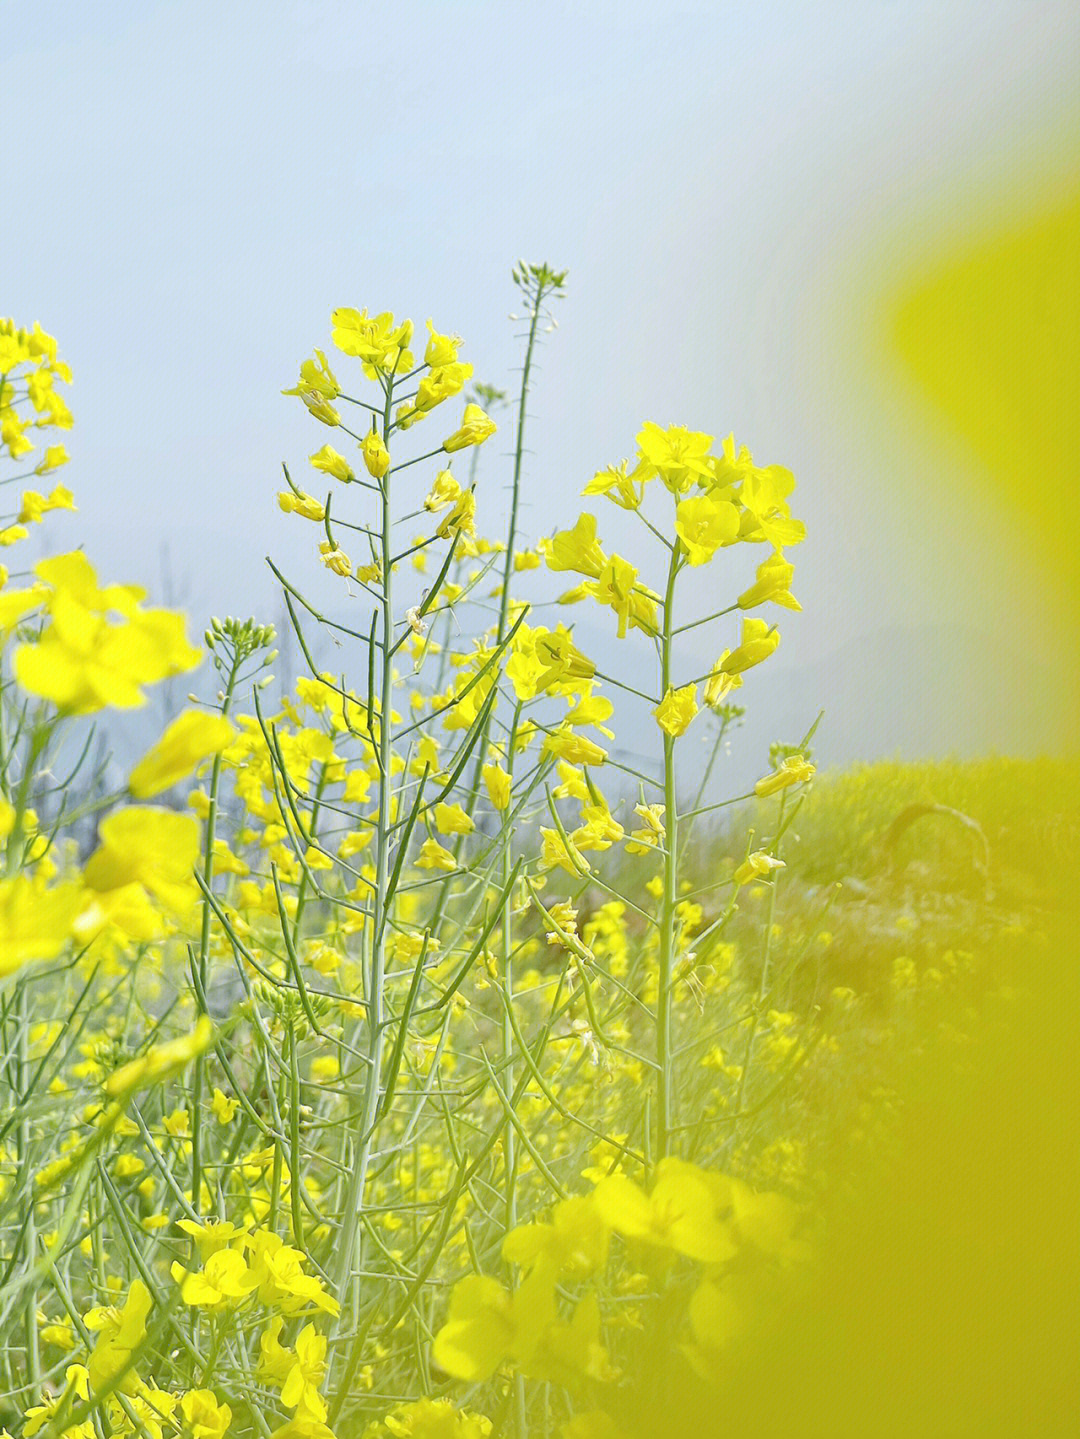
pixel 331 463
pixel 575 1242
pixel 679 1214
pixel 224 1107
pixel 301 1387
pixel 433 856
pixel 151 846
pixel 379 344
pixel 452 819
pixel 440 349
pixel 298 502
pixel 35 922
pixel 676 710
pixel 282 1282
pixel 206 1418
pixel 192 737
pixel 444 491
pixel 678 455
pixel 214 1234
pixel 618 587
pixel 758 643
pixel 317 387
pixel 35 505
pixel 577 549
pixel 376 455
pixel 335 559
pixel 476 427
pixel 562 853
pixel 651 832
pixel 487 1324
pixel 793 770
pixel 84 661
pixel 719 684
pixel 623 489
pixel 704 524
pixel 119 1333
pixel 441 384
pixel 561 659
pixel 161 1061
pixel 574 748
pixel 497 782
pixel 756 866
pixel 224 1279
pixel 461 519
pixel 55 456
pixel 275 1361
pixel 774 575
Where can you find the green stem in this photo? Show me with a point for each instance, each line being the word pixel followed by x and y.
pixel 354 1194
pixel 204 949
pixel 665 1059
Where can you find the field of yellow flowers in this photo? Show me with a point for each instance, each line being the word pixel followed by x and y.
pixel 390 1058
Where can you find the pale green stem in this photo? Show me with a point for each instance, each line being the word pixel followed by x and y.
pixel 375 1020
pixel 665 1059
pixel 199 1080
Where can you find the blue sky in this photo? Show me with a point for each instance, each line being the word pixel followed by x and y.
pixel 192 188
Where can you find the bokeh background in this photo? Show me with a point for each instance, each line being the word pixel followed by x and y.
pixel 845 231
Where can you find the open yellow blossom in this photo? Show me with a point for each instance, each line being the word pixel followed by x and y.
pixel 617 585
pixel 317 387
pixel 774 575
pixel 35 922
pixel 119 1332
pixel 574 748
pixel 433 855
pixel 561 852
pixel 704 523
pixel 678 455
pixel 192 737
pixel 161 1061
pixel 452 819
pixel 720 684
pixel 758 643
pixel 55 456
pixel 84 660
pixel 577 549
pixel 331 463
pixel 34 505
pixel 793 770
pixel 441 384
pixel 623 489
pixel 680 1213
pixel 204 1416
pixel 444 491
pixel 151 846
pixel 650 833
pixel 476 427
pixel 487 1324
pixel 756 866
pixel 215 1234
pixel 676 710
pixel 461 519
pixel 379 344
pixel 301 1386
pixel 224 1108
pixel 440 349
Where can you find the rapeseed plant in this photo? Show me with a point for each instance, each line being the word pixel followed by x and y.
pixel 370 1068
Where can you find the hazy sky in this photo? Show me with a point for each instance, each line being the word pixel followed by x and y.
pixel 192 188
